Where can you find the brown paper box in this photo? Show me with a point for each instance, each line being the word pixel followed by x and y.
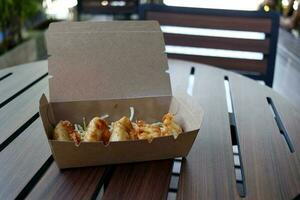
pixel 102 68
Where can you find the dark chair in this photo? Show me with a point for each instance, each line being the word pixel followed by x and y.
pixel 111 7
pixel 259 44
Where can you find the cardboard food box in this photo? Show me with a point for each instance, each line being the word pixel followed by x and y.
pixel 102 68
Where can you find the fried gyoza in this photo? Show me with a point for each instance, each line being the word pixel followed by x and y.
pixel 147 131
pixel 65 131
pixel 169 126
pixel 97 130
pixel 121 130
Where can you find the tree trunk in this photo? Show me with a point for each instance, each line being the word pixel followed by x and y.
pixel 19 29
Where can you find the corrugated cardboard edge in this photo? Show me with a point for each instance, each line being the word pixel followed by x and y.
pixel 146 26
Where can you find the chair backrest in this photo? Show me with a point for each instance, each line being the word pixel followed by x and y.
pixel 107 7
pixel 243 41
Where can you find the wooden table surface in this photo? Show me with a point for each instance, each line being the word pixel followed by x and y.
pixel 247 148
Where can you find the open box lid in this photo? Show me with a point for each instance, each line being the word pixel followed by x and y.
pixel 106 60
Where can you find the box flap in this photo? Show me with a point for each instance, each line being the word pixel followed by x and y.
pixel 106 60
pixel 103 26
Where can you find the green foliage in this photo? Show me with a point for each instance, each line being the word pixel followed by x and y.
pixel 5 12
pixel 13 14
pixel 26 8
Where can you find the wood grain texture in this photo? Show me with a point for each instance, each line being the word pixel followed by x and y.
pixel 207 172
pixel 279 162
pixel 258 66
pixel 22 159
pixel 23 76
pixel 214 22
pixel 21 109
pixel 217 42
pixel 290 116
pixel 78 183
pixel 271 170
pixel 147 180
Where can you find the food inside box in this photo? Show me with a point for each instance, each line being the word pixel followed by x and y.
pixel 114 75
pixel 98 129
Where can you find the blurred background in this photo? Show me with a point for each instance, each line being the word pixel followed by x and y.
pixel 23 25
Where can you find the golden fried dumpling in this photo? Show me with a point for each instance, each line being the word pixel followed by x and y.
pixel 147 131
pixel 126 123
pixel 105 136
pixel 96 129
pixel 121 130
pixel 169 126
pixel 65 131
pixel 118 133
pixel 75 136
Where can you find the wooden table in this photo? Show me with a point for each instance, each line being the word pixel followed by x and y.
pixel 251 152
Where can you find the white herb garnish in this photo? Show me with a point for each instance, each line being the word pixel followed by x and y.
pixel 84 124
pixel 131 113
pixel 80 130
pixel 160 124
pixel 104 116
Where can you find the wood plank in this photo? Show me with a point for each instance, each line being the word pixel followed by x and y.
pixel 132 180
pixel 19 69
pixel 287 81
pixel 21 160
pixel 7 70
pixel 21 78
pixel 208 172
pixel 5 75
pixel 217 42
pixel 214 22
pixel 78 183
pixel 23 67
pixel 271 170
pixel 258 66
pixel 290 168
pixel 21 109
pixel 290 116
pixel 147 180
